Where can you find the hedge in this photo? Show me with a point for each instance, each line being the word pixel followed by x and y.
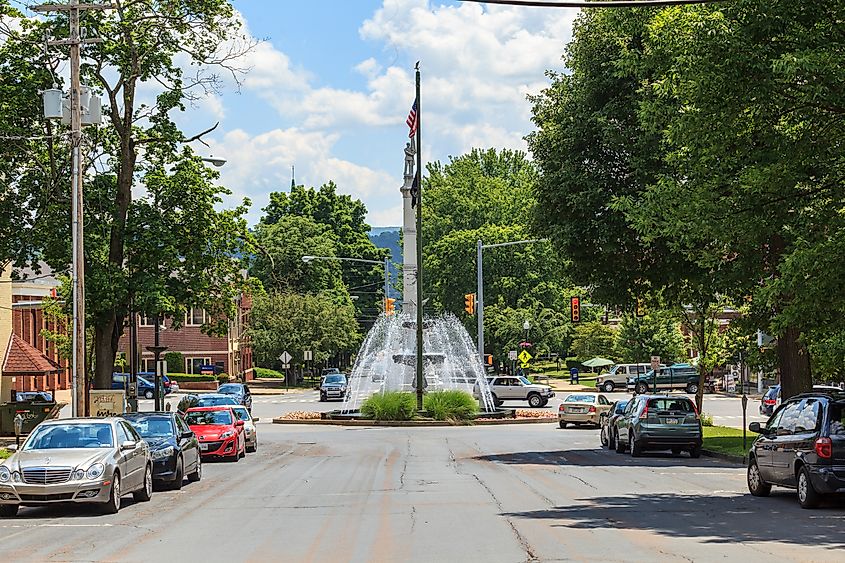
pixel 191 377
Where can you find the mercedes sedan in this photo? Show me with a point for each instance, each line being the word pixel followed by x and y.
pixel 84 460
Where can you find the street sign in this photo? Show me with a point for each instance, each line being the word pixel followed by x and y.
pixel 285 366
pixel 512 355
pixel 285 358
pixel 308 355
pixel 524 357
pixel 655 363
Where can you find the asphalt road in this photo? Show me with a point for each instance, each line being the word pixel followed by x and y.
pixel 509 494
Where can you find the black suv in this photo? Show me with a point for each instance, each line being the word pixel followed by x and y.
pixel 802 446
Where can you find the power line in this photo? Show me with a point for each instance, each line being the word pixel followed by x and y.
pixel 594 3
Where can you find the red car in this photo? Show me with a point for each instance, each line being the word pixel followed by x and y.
pixel 219 432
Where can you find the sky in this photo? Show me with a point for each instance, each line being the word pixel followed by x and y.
pixel 330 85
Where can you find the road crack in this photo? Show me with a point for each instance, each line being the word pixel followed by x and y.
pixel 523 542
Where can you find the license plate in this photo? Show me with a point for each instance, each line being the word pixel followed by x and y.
pixel 672 421
pixel 576 410
pixel 204 447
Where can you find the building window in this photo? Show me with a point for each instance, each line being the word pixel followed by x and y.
pixel 194 365
pixel 144 320
pixel 195 317
pixel 148 365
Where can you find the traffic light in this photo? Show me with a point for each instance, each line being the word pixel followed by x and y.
pixel 488 359
pixel 388 306
pixel 640 312
pixel 575 309
pixel 469 303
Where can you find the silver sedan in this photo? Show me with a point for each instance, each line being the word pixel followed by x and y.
pixel 81 460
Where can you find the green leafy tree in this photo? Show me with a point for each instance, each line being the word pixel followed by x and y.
pixel 594 339
pixel 655 334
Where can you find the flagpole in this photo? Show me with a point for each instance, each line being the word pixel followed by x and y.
pixel 419 248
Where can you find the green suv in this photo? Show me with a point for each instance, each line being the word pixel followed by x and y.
pixel 675 377
pixel 659 422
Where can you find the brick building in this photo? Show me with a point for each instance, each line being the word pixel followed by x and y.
pixel 231 353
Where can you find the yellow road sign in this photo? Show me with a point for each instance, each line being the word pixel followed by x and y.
pixel 525 357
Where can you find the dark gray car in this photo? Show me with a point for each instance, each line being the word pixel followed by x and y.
pixel 333 386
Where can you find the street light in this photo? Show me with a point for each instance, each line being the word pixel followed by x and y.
pixel 479 299
pixel 218 162
pixel 385 264
pixel 526 326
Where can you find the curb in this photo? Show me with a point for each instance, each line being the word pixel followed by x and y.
pixel 740 460
pixel 412 423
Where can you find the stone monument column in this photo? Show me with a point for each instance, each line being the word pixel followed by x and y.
pixel 409 235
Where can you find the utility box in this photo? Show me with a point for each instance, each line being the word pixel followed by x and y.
pixel 52 103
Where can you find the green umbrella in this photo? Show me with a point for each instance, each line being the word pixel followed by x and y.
pixel 598 363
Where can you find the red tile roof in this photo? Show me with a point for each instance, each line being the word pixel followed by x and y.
pixel 24 359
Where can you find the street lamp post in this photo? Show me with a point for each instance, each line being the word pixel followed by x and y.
pixel 384 263
pixel 157 349
pixel 479 300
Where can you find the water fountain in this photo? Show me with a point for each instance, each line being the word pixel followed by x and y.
pixel 387 360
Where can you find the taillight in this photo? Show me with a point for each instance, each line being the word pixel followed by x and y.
pixel 824 448
pixel 592 409
pixel 645 412
pixel 560 408
pixel 769 401
pixel 695 410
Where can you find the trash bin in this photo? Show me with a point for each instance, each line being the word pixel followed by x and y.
pixel 33 413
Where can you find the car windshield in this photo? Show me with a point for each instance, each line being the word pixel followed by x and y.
pixel 209 418
pixel 335 379
pixel 580 399
pixel 230 388
pixel 153 426
pixel 524 380
pixel 677 405
pixel 215 401
pixel 241 413
pixel 61 436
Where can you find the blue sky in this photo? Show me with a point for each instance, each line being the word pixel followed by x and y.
pixel 330 88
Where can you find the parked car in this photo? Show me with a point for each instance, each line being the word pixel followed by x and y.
pixel 80 460
pixel 204 400
pixel 329 371
pixel 659 422
pixel 165 381
pixel 583 408
pixel 219 431
pixel 146 387
pixel 802 446
pixel 678 376
pixel 619 374
pixel 608 425
pixel 174 448
pixel 250 430
pixel 518 388
pixel 333 386
pixel 771 400
pixel 239 392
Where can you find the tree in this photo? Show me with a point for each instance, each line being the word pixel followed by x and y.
pixel 655 334
pixel 140 47
pixel 594 339
pixel 283 321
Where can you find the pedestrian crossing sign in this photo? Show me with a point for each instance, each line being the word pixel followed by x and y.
pixel 525 357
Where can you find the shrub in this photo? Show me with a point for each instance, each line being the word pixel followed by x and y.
pixel 392 405
pixel 4 453
pixel 706 420
pixel 265 372
pixel 223 378
pixel 190 377
pixel 175 361
pixel 450 405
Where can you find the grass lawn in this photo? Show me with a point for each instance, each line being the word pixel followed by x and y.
pixel 4 453
pixel 726 440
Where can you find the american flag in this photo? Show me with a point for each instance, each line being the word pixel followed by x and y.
pixel 412 120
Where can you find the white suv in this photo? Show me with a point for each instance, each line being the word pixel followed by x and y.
pixel 619 374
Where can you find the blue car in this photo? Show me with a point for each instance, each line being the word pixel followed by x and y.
pixel 146 388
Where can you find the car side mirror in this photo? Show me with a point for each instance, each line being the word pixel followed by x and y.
pixel 756 428
pixel 12 447
pixel 129 445
pixel 255 419
pixel 239 423
pixel 187 434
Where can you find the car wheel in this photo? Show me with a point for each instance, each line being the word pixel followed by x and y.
pixel 197 474
pixel 603 437
pixel 235 458
pixel 146 491
pixel 496 401
pixel 608 386
pixel 692 388
pixel 620 447
pixel 180 475
pixel 611 441
pixel 8 510
pixel 642 388
pixel 635 445
pixel 695 452
pixel 807 495
pixel 112 506
pixel 676 451
pixel 322 398
pixel 756 485
pixel 562 424
pixel 148 395
pixel 544 403
pixel 535 400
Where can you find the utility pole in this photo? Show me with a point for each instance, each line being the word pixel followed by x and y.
pixel 74 42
